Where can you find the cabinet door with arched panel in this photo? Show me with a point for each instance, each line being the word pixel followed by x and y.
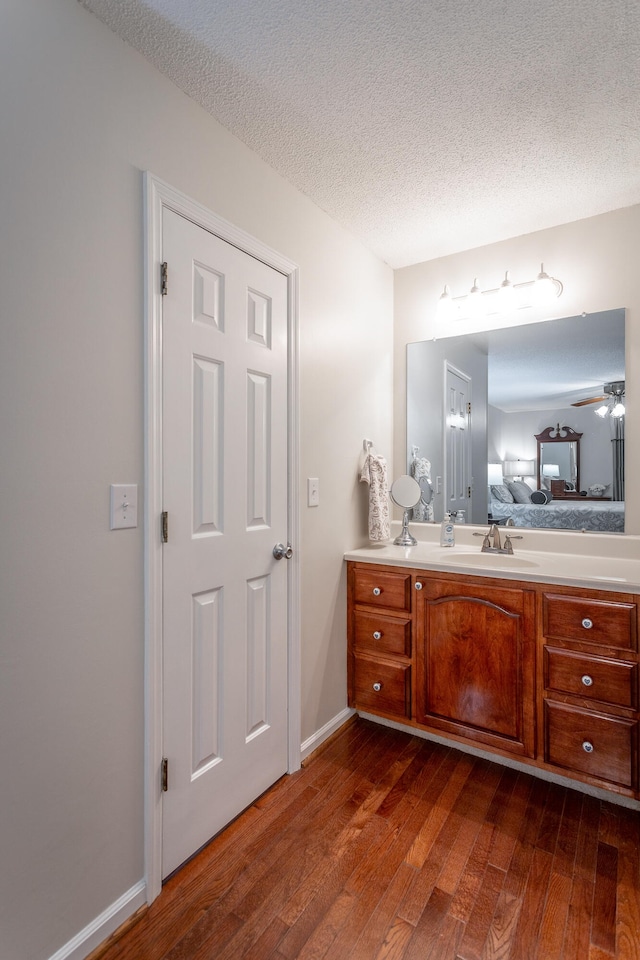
pixel 475 670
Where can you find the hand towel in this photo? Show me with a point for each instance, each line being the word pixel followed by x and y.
pixel 421 470
pixel 374 472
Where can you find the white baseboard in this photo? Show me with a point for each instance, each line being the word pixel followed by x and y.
pixel 110 919
pixel 314 741
pixel 103 926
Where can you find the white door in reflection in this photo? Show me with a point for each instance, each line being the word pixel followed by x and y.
pixel 457 440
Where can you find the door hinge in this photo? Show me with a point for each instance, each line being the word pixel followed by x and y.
pixel 469 492
pixel 468 405
pixel 164 775
pixel 165 526
pixel 164 272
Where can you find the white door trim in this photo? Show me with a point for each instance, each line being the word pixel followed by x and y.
pixel 158 197
pixel 451 368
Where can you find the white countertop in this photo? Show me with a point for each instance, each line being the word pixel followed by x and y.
pixel 604 561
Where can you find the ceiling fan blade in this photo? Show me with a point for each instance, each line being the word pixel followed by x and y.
pixel 581 403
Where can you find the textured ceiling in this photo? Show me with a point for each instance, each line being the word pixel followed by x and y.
pixel 543 367
pixel 425 127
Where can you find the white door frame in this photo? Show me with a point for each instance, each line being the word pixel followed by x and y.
pixel 158 197
pixel 451 368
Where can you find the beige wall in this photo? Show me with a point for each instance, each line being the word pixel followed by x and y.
pixel 596 259
pixel 82 116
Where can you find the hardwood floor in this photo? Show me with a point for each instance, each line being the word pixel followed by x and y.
pixel 389 847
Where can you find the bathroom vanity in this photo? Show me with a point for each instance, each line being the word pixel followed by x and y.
pixel 533 658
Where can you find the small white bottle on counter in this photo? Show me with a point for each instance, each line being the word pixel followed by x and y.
pixel 447 533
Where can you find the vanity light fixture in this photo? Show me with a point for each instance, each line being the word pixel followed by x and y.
pixel 456 420
pixel 507 295
pixel 499 300
pixel 544 287
pixel 475 305
pixel 446 307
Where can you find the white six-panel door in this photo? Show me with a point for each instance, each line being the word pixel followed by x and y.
pixel 224 387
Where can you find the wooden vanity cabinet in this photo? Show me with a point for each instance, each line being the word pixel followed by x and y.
pixel 452 654
pixel 548 675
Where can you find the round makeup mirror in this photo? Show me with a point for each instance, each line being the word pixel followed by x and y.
pixel 406 493
pixel 426 491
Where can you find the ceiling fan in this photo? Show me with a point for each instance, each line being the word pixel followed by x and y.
pixel 611 391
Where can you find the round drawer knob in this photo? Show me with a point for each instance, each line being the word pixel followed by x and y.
pixel 587 680
pixel 587 624
pixel 377 687
pixel 377 591
pixel 377 635
pixel 418 585
pixel 587 747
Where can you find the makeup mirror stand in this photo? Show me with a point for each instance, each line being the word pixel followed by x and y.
pixel 406 493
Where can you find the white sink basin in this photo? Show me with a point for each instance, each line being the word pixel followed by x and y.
pixel 478 559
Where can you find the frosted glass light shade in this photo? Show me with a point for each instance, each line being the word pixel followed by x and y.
pixel 544 290
pixel 445 308
pixel 474 305
pixel 507 297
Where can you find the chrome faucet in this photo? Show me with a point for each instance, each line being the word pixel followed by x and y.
pixel 491 541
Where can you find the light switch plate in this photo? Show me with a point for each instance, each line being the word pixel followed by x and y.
pixel 124 506
pixel 313 492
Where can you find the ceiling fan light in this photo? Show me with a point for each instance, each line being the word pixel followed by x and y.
pixel 602 411
pixel 618 410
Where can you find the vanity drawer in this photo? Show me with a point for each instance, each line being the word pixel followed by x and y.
pixel 590 621
pixel 382 686
pixel 611 681
pixel 380 588
pixel 377 634
pixel 590 743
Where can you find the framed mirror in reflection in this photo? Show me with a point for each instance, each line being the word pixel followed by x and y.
pixel 559 459
pixel 481 400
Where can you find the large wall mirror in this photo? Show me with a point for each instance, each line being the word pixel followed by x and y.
pixel 476 405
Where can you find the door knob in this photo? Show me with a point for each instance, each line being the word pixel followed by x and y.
pixel 281 552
